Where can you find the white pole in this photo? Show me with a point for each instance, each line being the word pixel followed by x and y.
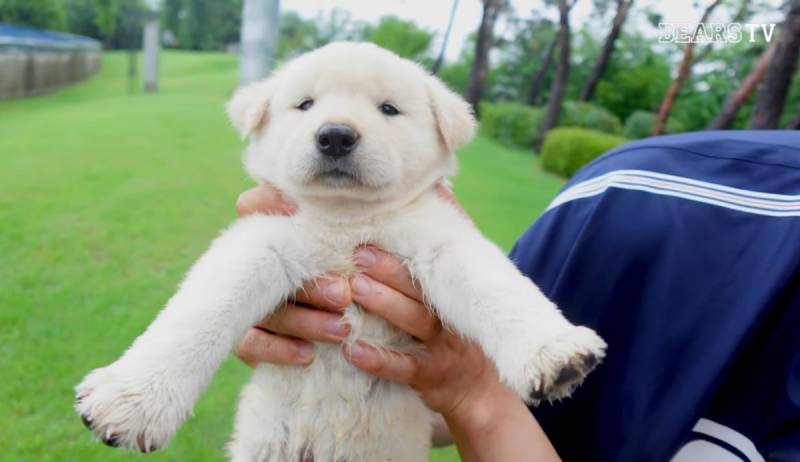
pixel 151 49
pixel 259 39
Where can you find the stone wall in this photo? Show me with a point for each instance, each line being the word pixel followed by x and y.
pixel 31 71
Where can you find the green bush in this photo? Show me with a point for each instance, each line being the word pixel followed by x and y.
pixel 640 124
pixel 511 123
pixel 587 115
pixel 567 149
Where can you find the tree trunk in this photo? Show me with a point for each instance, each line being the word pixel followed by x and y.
pixel 683 72
pixel 151 49
pixel 562 75
pixel 778 77
pixel 440 58
pixel 480 66
pixel 741 14
pixel 587 92
pixel 259 39
pixel 794 124
pixel 535 92
pixel 737 99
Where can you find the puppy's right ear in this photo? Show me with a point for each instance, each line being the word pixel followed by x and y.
pixel 248 109
pixel 454 119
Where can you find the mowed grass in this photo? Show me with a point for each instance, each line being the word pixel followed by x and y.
pixel 105 200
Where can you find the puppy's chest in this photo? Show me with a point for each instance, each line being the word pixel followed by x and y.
pixel 334 254
pixel 333 247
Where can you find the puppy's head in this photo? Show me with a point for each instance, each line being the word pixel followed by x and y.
pixel 351 121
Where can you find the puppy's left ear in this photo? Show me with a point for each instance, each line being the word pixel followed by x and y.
pixel 454 118
pixel 248 109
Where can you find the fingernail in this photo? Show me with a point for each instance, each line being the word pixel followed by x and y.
pixel 360 285
pixel 337 328
pixel 335 291
pixel 357 351
pixel 365 258
pixel 305 351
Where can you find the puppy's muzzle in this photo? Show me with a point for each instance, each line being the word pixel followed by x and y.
pixel 336 140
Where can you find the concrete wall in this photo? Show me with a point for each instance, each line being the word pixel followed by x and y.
pixel 27 71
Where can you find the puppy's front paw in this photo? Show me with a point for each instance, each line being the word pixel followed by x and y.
pixel 124 410
pixel 560 365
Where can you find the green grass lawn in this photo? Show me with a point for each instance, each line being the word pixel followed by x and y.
pixel 105 200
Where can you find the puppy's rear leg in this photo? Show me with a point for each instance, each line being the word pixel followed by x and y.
pixel 261 432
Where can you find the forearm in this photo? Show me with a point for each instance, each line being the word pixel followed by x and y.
pixel 499 427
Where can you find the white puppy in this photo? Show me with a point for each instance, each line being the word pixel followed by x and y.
pixel 358 137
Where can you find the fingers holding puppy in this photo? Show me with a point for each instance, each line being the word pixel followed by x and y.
pixel 306 323
pixel 285 336
pixel 259 346
pixel 265 199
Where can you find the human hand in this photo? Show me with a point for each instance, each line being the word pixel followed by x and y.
pixel 313 314
pixel 449 373
pixel 448 365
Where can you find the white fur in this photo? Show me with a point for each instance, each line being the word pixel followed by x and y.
pixel 330 409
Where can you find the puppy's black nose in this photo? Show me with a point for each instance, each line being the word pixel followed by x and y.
pixel 336 140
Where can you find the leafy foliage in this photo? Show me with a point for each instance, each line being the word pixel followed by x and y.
pixel 203 24
pixel 567 149
pixel 515 124
pixel 403 37
pixel 118 23
pixel 512 124
pixel 640 124
pixel 517 57
pixel 636 79
pixel 587 115
pixel 456 75
pixel 298 35
pixel 44 14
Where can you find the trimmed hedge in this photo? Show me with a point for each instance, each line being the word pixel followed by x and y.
pixel 587 115
pixel 515 124
pixel 640 124
pixel 512 124
pixel 567 149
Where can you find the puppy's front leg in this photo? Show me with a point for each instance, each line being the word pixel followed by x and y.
pixel 479 293
pixel 139 401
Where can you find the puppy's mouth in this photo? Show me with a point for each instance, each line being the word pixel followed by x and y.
pixel 337 175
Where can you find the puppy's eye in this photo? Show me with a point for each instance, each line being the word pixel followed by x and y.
pixel 305 104
pixel 389 109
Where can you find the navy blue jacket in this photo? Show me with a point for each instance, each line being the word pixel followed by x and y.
pixel 683 252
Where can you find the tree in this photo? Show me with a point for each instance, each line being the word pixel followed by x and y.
pixel 403 37
pixel 440 58
pixel 508 77
pixel 741 15
pixel 535 92
pixel 603 58
pixel 259 39
pixel 298 35
pixel 204 24
pixel 636 79
pixel 562 75
pixel 736 100
pixel 171 15
pixel 794 124
pixel 80 17
pixel 43 14
pixel 778 76
pixel 684 69
pixel 480 65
